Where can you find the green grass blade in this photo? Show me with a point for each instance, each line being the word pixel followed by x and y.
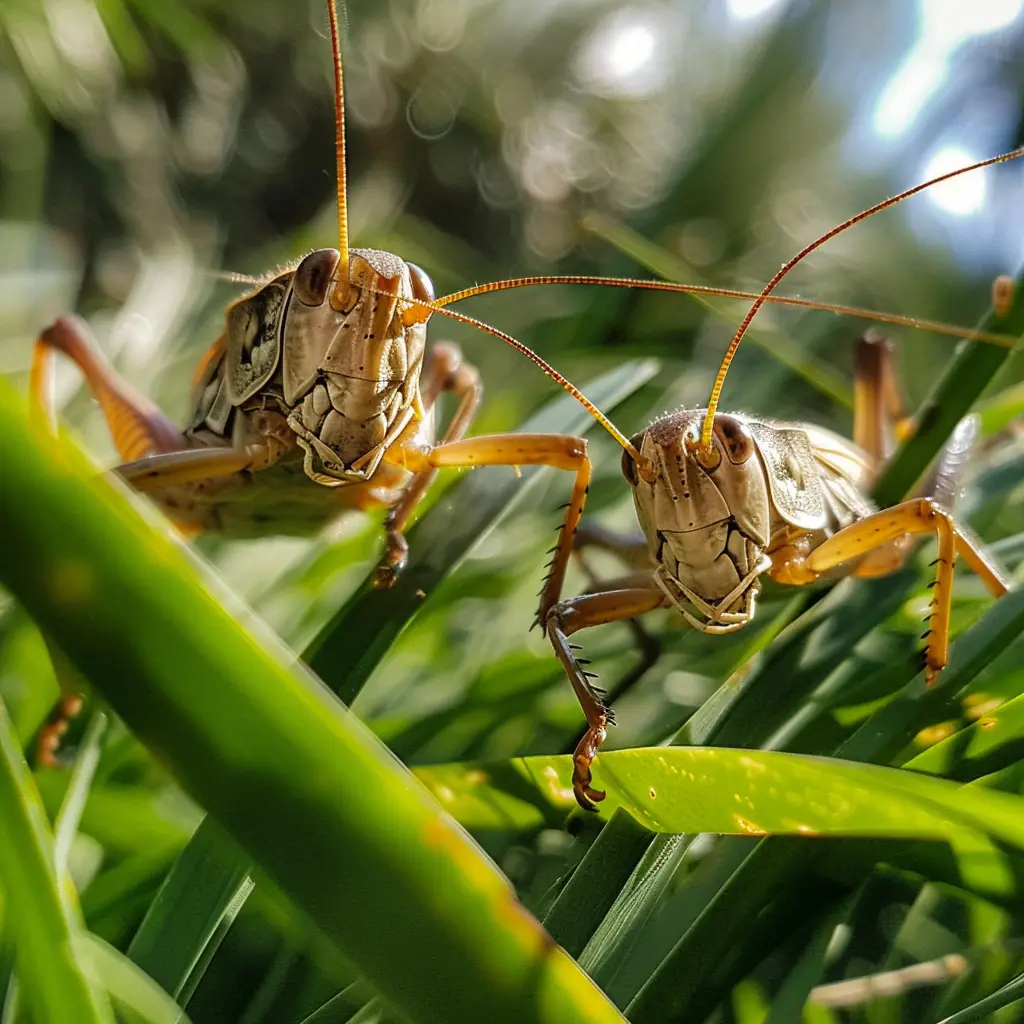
pixel 296 780
pixel 887 731
pixel 796 988
pixel 618 932
pixel 966 376
pixel 336 1012
pixel 208 880
pixel 748 792
pixel 41 909
pixel 339 1009
pixel 596 882
pixel 1011 993
pixel 138 997
pixel 73 805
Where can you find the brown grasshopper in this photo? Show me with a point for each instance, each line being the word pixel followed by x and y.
pixel 319 396
pixel 724 499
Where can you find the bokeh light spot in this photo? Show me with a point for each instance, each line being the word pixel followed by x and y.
pixel 960 196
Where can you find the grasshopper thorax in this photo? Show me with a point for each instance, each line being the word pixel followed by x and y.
pixel 707 521
pixel 345 380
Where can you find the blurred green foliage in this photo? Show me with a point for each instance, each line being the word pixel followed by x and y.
pixel 147 146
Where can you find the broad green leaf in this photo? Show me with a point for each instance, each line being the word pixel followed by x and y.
pixel 207 883
pixel 733 792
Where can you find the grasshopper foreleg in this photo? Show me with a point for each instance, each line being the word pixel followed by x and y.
pixel 557 450
pixel 447 372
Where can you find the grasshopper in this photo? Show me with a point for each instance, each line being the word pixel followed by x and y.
pixel 318 396
pixel 724 499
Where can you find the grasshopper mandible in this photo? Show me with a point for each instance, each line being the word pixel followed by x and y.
pixel 724 499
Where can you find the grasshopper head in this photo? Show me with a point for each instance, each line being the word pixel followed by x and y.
pixel 364 341
pixel 707 520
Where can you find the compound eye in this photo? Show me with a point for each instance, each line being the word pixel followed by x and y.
pixel 313 276
pixel 735 437
pixel 422 286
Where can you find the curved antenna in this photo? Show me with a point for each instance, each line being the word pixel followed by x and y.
pixel 428 307
pixel 341 287
pixel 413 314
pixel 706 451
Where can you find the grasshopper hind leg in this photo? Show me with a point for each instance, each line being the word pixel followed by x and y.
pixel 138 429
pixel 137 426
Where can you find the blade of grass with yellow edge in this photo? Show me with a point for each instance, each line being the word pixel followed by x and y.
pixel 299 783
pixel 210 878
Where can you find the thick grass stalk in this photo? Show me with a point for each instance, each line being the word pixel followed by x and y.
pixel 299 782
pixel 966 376
pixel 42 912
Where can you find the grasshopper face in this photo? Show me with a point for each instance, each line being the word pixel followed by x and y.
pixel 347 380
pixel 707 528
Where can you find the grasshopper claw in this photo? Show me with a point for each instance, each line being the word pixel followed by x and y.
pixel 583 757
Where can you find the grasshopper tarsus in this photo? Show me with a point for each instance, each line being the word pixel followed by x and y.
pixel 583 757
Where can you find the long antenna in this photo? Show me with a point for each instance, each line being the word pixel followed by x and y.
pixel 417 313
pixel 706 449
pixel 340 296
pixel 419 310
pixel 423 306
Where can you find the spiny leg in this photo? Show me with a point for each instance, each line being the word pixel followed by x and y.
pixel 916 516
pixel 568 617
pixel 446 372
pixel 561 451
pixel 631 549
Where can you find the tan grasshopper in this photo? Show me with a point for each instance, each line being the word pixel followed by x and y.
pixel 725 499
pixel 319 396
